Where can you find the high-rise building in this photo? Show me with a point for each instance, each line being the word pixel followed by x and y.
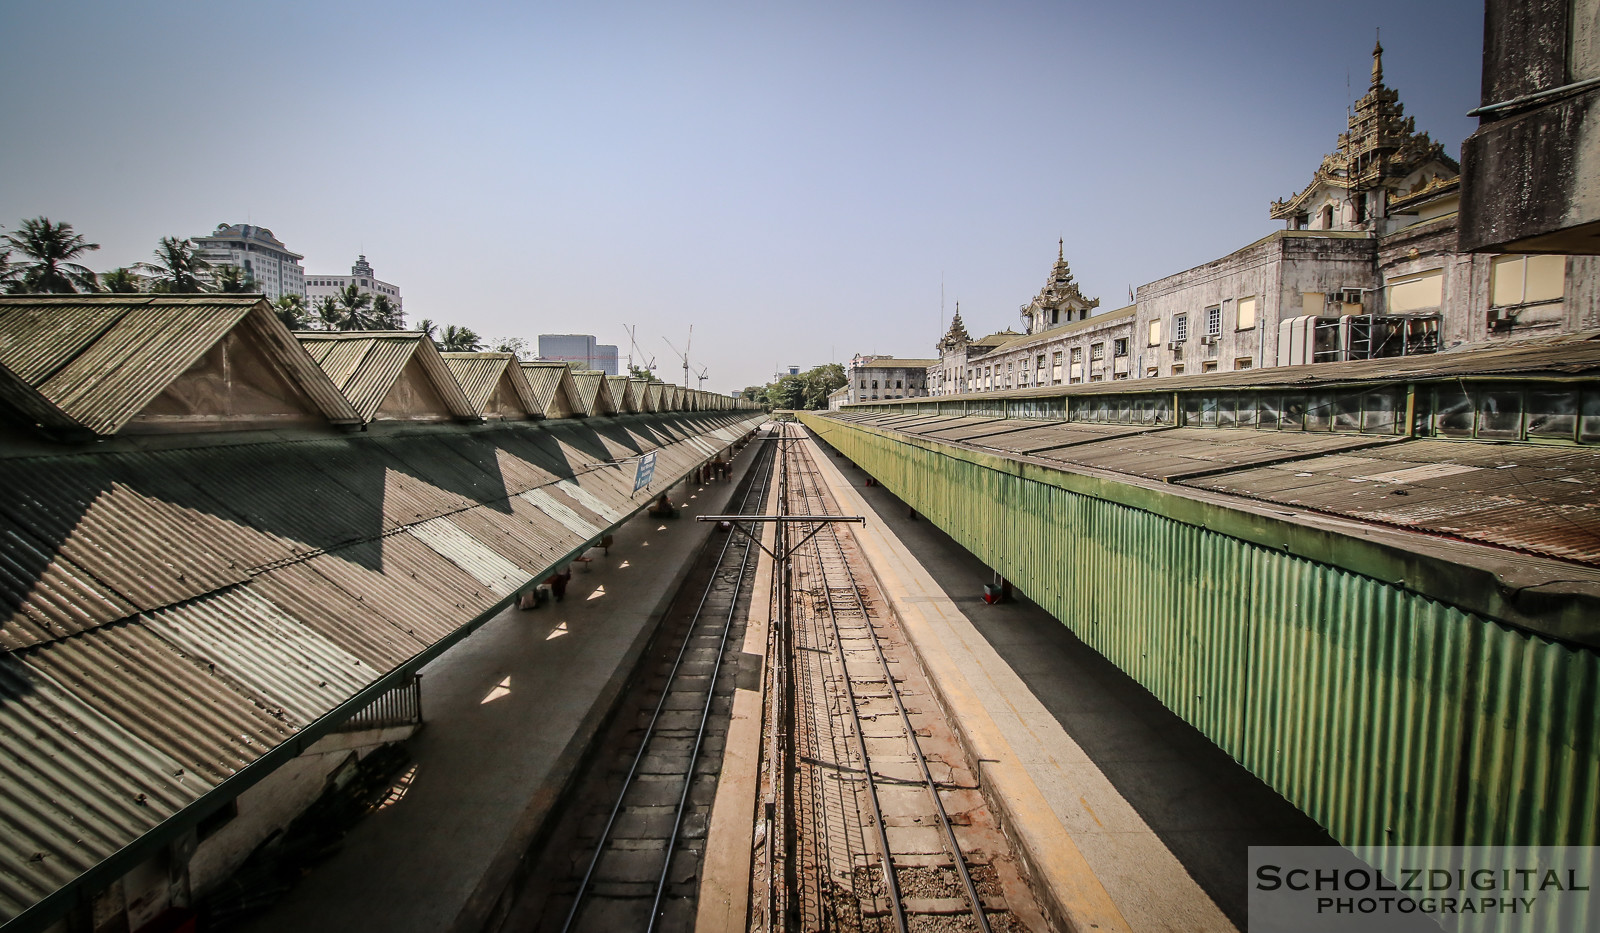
pixel 261 255
pixel 319 286
pixel 581 349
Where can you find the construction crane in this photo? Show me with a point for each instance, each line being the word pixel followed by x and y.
pixel 701 375
pixel 684 354
pixel 634 344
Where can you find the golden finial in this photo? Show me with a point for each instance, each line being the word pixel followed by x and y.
pixel 1377 62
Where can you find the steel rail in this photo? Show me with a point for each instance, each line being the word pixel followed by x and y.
pixel 911 733
pixel 582 892
pixel 705 714
pixel 890 880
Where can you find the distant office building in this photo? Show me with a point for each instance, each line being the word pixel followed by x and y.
pixel 276 271
pixel 580 349
pixel 319 286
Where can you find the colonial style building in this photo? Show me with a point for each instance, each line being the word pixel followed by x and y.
pixel 883 377
pixel 319 286
pixel 261 255
pixel 1367 266
pixel 1061 343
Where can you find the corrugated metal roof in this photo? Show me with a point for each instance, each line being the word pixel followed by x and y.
pixel 553 389
pixel 594 396
pixel 479 374
pixel 366 364
pixel 78 786
pixel 1544 500
pixel 175 614
pixel 1538 499
pixel 100 360
pixel 622 393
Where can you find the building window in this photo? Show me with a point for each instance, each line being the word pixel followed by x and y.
pixel 1077 354
pixel 1177 369
pixel 1119 347
pixel 1247 314
pixel 1055 363
pixel 1210 366
pixel 1097 352
pixel 1244 362
pixel 874 383
pixel 1155 334
pixel 1415 292
pixel 1180 328
pixel 1520 280
pixel 897 384
pixel 1214 321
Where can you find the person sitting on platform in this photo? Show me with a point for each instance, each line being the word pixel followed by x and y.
pixel 558 583
pixel 662 508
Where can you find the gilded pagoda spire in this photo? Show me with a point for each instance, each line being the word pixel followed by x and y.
pixel 1377 63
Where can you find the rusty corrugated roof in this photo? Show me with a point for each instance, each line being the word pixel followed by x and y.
pixel 366 364
pixel 479 374
pixel 174 614
pixel 553 389
pixel 98 361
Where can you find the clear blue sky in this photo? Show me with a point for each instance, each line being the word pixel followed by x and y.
pixel 793 180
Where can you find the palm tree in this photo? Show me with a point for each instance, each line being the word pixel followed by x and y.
pixel 460 340
pixel 10 275
pixel 291 310
pixel 353 302
pixel 177 269
pixel 234 280
pixel 385 316
pixel 121 281
pixel 48 251
pixel 329 315
pixel 427 327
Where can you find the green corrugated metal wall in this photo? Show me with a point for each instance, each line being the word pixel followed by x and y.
pixel 1389 718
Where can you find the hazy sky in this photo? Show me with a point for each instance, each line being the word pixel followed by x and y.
pixel 792 180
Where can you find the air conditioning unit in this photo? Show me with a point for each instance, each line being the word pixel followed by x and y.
pixel 1174 345
pixel 1208 340
pixel 1351 296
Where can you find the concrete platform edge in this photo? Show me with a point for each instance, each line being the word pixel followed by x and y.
pixel 491 898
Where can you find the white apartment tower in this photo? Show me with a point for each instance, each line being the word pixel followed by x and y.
pixel 261 255
pixel 319 286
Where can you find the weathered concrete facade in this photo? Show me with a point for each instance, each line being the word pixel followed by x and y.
pixel 885 377
pixel 1531 172
pixel 1225 315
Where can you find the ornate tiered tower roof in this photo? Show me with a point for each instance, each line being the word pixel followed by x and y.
pixel 1381 147
pixel 1060 300
pixel 957 335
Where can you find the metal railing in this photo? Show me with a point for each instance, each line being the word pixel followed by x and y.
pixel 401 706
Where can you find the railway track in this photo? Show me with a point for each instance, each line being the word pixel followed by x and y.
pixel 628 859
pixel 876 820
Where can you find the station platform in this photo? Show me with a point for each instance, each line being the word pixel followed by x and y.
pixel 508 715
pixel 1131 819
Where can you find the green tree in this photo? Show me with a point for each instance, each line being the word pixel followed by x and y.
pixel 328 314
pixel 427 327
pixel 48 254
pixel 639 372
pixel 234 280
pixel 460 340
pixel 819 382
pixel 121 281
pixel 353 304
pixel 10 273
pixel 385 316
pixel 178 269
pixel 516 346
pixel 291 310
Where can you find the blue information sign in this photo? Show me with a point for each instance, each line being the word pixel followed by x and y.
pixel 647 471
